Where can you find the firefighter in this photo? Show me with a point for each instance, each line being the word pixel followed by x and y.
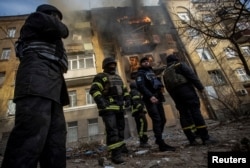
pixel 111 97
pixel 151 89
pixel 39 134
pixel 180 82
pixel 139 115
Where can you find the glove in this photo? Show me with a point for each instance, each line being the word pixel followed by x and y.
pixel 102 103
pixel 127 103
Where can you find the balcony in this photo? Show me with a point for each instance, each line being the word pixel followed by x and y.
pixel 78 77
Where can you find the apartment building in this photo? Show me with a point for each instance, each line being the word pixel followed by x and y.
pixel 215 60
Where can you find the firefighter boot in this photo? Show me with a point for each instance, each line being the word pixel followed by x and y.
pixel 124 149
pixel 191 137
pixel 144 142
pixel 117 156
pixel 163 146
pixel 206 139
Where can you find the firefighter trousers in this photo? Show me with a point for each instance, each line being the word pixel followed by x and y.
pixel 114 126
pixel 141 126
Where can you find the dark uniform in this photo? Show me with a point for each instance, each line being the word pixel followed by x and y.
pixel 186 99
pixel 151 88
pixel 138 113
pixel 39 134
pixel 111 97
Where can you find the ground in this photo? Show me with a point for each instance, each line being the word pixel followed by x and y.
pixel 230 135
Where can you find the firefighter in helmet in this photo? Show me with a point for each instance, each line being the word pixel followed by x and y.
pixel 111 97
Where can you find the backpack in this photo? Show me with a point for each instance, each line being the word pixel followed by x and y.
pixel 171 78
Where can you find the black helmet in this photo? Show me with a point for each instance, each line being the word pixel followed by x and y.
pixel 133 85
pixel 107 61
pixel 143 59
pixel 171 58
pixel 45 8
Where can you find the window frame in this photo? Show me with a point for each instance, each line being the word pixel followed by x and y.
pixel 93 125
pixel 72 98
pixel 11 32
pixel 230 53
pixel 2 78
pixel 81 61
pixel 202 51
pixel 6 52
pixel 89 98
pixel 72 131
pixel 241 74
pixel 217 77
pixel 245 50
pixel 183 16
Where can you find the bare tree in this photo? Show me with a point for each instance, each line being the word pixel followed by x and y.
pixel 221 20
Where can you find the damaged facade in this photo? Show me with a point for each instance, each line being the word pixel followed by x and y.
pixel 129 33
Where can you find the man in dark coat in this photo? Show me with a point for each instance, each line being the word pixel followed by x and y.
pixel 151 89
pixel 180 82
pixel 39 134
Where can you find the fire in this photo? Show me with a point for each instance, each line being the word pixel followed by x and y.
pixel 126 19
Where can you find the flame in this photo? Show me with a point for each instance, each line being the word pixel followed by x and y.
pixel 126 19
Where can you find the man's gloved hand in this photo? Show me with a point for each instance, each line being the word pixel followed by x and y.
pixel 102 103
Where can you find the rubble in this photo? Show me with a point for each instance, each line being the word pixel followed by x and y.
pixel 232 136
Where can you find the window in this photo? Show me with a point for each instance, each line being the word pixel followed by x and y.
pixel 241 73
pixel 88 46
pixel 207 18
pixel 243 25
pixel 193 33
pixel 246 50
pixel 183 16
pixel 11 108
pixel 5 54
pixel 2 77
pixel 72 132
pixel 217 77
pixel 230 53
pixel 72 98
pixel 204 54
pixel 89 98
pixel 211 92
pixel 11 32
pixel 219 32
pixel 81 61
pixel 77 37
pixel 93 128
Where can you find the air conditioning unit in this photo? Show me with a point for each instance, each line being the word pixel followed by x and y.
pixel 243 92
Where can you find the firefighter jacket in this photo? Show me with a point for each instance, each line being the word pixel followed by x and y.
pixel 136 101
pixel 109 93
pixel 42 58
pixel 148 84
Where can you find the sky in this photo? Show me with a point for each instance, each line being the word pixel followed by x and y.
pixel 19 7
